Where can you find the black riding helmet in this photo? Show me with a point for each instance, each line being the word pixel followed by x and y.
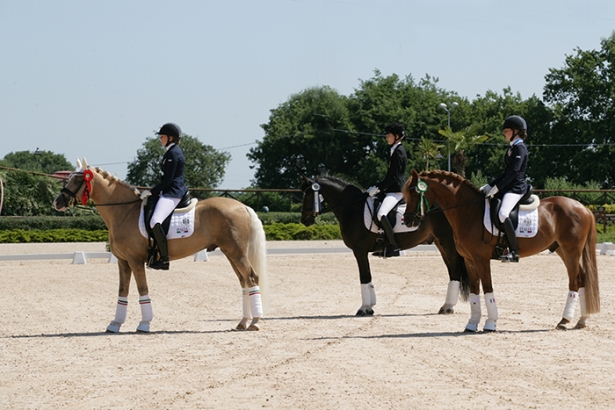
pixel 514 122
pixel 395 129
pixel 172 130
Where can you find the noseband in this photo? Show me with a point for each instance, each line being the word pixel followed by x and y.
pixel 316 201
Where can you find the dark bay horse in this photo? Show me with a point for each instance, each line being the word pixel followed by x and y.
pixel 564 226
pixel 347 202
pixel 218 223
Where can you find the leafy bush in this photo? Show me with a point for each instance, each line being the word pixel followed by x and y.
pixel 293 231
pixel 88 223
pixel 53 235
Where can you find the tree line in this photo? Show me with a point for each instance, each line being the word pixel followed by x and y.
pixel 571 129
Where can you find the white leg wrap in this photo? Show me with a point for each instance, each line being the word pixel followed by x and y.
pixel 255 301
pixel 571 302
pixel 452 293
pixel 582 305
pixel 475 313
pixel 247 309
pixel 146 313
pixel 372 294
pixel 120 315
pixel 120 310
pixel 492 312
pixel 365 295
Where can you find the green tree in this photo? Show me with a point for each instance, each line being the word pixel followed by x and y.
pixel 26 194
pixel 204 168
pixel 310 134
pixel 460 142
pixel 582 94
pixel 427 150
pixel 39 161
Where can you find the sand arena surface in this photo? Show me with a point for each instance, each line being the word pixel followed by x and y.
pixel 312 353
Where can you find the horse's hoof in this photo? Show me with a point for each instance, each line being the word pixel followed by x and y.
pixel 561 326
pixel 361 313
pixel 369 312
pixel 113 327
pixel 254 327
pixel 143 328
pixel 446 311
pixel 240 327
pixel 471 328
pixel 485 330
pixel 580 326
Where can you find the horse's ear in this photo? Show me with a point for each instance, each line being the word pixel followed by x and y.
pixel 85 163
pixel 415 175
pixel 79 167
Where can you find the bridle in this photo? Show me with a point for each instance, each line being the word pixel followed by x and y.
pixel 87 176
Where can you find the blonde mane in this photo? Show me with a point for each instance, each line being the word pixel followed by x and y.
pixel 112 178
pixel 443 173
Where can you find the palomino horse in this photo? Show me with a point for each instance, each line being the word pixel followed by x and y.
pixel 564 226
pixel 348 203
pixel 218 223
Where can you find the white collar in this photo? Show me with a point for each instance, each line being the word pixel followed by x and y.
pixel 394 146
pixel 168 147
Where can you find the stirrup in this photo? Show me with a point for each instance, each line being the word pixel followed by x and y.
pixel 160 264
pixel 387 253
pixel 510 257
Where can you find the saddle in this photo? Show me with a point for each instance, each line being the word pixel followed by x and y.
pixel 391 216
pixel 496 203
pixel 149 212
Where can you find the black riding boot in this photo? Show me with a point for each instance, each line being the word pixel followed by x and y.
pixel 392 249
pixel 512 255
pixel 161 243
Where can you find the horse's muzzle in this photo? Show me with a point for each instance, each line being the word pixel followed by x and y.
pixel 308 219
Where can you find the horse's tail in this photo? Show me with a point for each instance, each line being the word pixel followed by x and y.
pixel 257 255
pixel 589 268
pixel 464 280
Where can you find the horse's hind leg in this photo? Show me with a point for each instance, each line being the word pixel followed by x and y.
pixel 368 293
pixel 573 267
pixel 251 294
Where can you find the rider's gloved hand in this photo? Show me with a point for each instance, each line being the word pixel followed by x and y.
pixel 485 189
pixel 494 190
pixel 372 190
pixel 145 194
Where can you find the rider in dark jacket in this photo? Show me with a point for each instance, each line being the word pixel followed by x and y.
pixel 512 184
pixel 169 191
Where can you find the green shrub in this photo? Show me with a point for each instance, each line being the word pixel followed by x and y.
pixel 88 223
pixel 52 235
pixel 292 231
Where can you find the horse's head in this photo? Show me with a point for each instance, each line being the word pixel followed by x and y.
pixel 77 186
pixel 416 204
pixel 312 203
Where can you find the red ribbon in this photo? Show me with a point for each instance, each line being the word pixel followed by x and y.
pixel 88 176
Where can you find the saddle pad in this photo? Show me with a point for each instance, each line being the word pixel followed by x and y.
pixel 399 224
pixel 182 222
pixel 528 221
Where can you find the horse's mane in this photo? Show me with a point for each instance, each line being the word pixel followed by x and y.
pixel 342 183
pixel 442 173
pixel 110 177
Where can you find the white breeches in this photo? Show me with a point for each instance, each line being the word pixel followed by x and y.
pixel 508 203
pixel 164 207
pixel 389 202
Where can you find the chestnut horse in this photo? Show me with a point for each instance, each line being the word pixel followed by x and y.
pixel 348 204
pixel 564 226
pixel 218 222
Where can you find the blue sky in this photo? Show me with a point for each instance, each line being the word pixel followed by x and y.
pixel 96 78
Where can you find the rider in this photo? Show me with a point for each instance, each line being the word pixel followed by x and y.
pixel 511 185
pixel 169 191
pixel 391 185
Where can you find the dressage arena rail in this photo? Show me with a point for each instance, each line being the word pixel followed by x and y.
pixel 79 257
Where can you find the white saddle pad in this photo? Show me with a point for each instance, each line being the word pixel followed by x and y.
pixel 399 225
pixel 528 219
pixel 182 222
